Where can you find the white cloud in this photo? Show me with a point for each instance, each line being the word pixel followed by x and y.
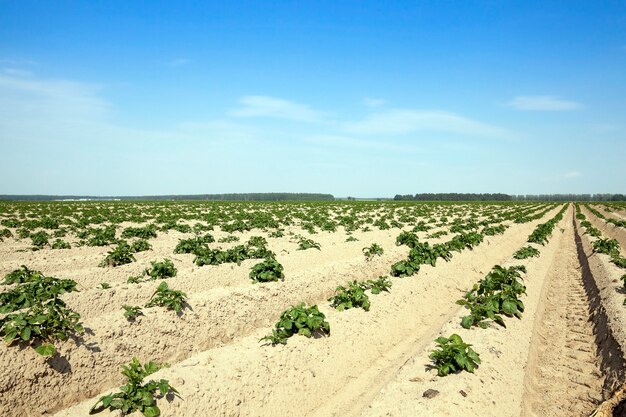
pixel 16 72
pixel 264 106
pixel 374 102
pixel 348 142
pixel 543 103
pixel 572 174
pixel 399 121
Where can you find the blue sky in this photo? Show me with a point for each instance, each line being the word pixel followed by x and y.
pixel 356 98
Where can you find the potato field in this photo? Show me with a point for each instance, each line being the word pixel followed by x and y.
pixel 312 309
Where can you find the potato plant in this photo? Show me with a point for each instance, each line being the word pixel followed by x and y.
pixel 374 249
pixel 40 325
pixel 120 255
pixel 161 270
pixel 300 319
pixel 136 395
pixel 170 299
pixel 350 297
pixel 453 355
pixel 132 312
pixel 526 252
pixel 267 271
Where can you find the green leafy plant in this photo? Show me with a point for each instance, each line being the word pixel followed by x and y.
pixel 61 244
pixel 135 395
pixel 134 279
pixel 132 312
pixel 407 238
pixel 267 271
pixel 40 325
pixel 305 243
pixel 40 239
pixel 120 255
pixel 497 293
pixel 194 244
pixel 229 239
pixel 161 270
pixel 145 232
pixel 140 245
pixel 374 249
pixel 32 290
pixel 606 246
pixel 105 285
pixel 351 296
pixel 526 252
pixel 299 319
pixel 383 283
pixel 170 299
pixel 351 239
pixel 453 355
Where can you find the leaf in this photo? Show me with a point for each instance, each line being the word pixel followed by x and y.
pixel 152 411
pixel 46 350
pixel 509 307
pixel 467 322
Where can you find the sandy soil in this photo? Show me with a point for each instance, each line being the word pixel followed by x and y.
pixel 374 363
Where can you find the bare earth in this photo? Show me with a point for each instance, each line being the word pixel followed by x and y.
pixel 563 358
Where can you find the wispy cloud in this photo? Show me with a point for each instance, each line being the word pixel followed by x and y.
pixel 374 102
pixel 352 143
pixel 265 106
pixel 16 72
pixel 543 103
pixel 572 174
pixel 17 62
pixel 399 121
pixel 178 62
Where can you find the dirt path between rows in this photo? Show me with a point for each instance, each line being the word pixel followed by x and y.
pixel 563 377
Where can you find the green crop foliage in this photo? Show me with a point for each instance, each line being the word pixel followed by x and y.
pixel 498 293
pixel 438 234
pixel 453 355
pixel 161 270
pixel 98 237
pixel 21 276
pixel 40 325
pixel 134 279
pixel 135 395
pixel 40 239
pixel 229 239
pixel 606 246
pixel 299 319
pixel 132 312
pixel 170 299
pixel 105 285
pixel 526 252
pixel 145 232
pixel 305 243
pixel 61 244
pixel 374 249
pixel 193 245
pixel 351 296
pixel 351 239
pixel 378 285
pixel 140 245
pixel 267 271
pixel 34 288
pixel 407 238
pixel 494 230
pixel 120 255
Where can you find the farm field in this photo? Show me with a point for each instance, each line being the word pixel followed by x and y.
pixel 312 309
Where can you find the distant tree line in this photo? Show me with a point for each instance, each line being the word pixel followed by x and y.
pixel 210 197
pixel 453 197
pixel 508 197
